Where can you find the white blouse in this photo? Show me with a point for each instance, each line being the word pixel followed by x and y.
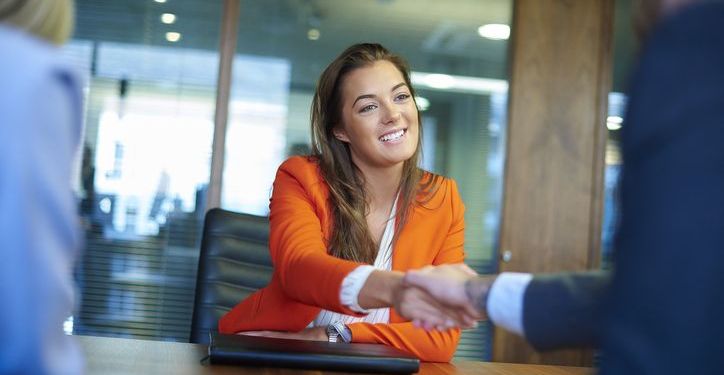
pixel 352 284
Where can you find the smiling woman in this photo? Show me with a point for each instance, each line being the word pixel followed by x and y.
pixel 348 220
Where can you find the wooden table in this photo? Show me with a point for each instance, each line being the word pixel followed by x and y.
pixel 125 356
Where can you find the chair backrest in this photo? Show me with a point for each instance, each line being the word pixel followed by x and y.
pixel 233 263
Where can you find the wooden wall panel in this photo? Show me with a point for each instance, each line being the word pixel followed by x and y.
pixel 561 66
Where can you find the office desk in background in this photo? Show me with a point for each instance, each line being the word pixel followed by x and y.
pixel 106 355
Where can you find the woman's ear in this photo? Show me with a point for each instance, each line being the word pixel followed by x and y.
pixel 340 134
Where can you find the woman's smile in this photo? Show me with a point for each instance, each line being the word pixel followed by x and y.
pixel 393 137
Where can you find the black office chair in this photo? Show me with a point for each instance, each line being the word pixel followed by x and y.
pixel 234 262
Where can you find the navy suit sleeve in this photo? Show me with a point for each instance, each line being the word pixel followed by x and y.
pixel 564 310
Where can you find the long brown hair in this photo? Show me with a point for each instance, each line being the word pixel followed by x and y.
pixel 350 237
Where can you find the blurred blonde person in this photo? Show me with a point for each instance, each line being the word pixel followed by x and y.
pixel 40 127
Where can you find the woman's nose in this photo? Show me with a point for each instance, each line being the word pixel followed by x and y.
pixel 392 116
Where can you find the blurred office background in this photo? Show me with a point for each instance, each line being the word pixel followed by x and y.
pixel 152 67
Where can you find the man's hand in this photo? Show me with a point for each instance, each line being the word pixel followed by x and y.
pixel 428 313
pixel 446 282
pixel 459 293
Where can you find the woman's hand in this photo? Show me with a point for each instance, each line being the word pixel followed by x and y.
pixel 309 334
pixel 437 296
pixel 428 313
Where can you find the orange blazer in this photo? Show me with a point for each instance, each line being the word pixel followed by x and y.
pixel 307 279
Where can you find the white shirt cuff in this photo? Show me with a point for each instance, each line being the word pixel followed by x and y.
pixel 505 301
pixel 351 286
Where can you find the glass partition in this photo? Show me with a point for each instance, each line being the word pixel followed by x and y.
pixel 151 70
pixel 624 53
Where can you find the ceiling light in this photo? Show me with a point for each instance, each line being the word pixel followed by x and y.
pixel 168 18
pixel 494 31
pixel 422 103
pixel 615 119
pixel 612 126
pixel 160 1
pixel 454 83
pixel 438 81
pixel 614 122
pixel 173 36
pixel 313 34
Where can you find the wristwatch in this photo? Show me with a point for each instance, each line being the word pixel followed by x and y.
pixel 338 332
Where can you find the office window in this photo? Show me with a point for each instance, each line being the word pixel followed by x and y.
pixel 624 46
pixel 150 96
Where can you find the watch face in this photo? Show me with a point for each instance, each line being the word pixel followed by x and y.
pixel 342 333
pixel 332 333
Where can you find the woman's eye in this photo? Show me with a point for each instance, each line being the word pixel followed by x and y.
pixel 402 96
pixel 368 108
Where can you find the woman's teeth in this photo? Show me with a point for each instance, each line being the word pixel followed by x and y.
pixel 392 136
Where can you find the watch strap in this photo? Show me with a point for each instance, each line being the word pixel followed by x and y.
pixel 338 332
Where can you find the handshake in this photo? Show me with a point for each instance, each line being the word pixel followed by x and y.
pixel 443 297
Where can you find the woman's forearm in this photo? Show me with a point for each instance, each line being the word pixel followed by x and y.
pixel 379 289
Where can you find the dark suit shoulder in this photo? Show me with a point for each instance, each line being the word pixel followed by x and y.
pixel 679 81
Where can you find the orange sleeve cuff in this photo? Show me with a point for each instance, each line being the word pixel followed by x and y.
pixel 432 346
